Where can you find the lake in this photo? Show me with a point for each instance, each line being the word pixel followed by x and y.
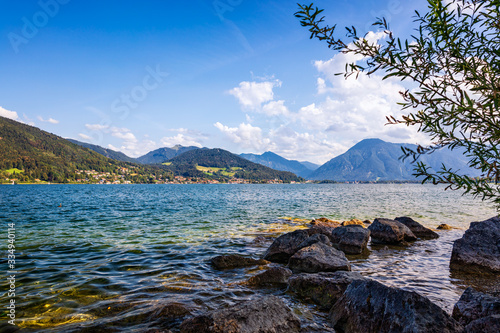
pixel 103 258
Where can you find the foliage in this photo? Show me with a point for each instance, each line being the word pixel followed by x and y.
pixel 454 59
pixel 46 157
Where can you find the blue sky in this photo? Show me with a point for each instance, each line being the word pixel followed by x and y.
pixel 236 74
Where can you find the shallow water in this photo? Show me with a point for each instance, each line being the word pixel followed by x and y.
pixel 111 255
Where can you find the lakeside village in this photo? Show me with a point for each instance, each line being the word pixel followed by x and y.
pixel 128 176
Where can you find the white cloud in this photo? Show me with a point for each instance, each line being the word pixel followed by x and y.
pixel 275 108
pixel 84 136
pixel 251 95
pixel 96 127
pixel 9 114
pixel 50 120
pixel 180 139
pixel 245 135
pixel 110 146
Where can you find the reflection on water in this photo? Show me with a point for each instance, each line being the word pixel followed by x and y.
pixel 112 256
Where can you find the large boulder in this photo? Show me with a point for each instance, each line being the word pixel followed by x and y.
pixel 319 257
pixel 489 324
pixel 285 246
pixel 323 289
pixel 234 261
pixel 266 315
pixel 370 307
pixel 478 251
pixel 387 231
pixel 474 305
pixel 351 239
pixel 418 230
pixel 316 238
pixel 273 276
pixel 322 229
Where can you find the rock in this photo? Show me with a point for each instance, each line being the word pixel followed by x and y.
pixel 418 230
pixel 351 239
pixel 325 223
pixel 316 238
pixel 319 257
pixel 444 226
pixel 353 222
pixel 321 229
pixel 259 240
pixel 474 305
pixel 323 289
pixel 274 275
pixel 478 251
pixel 369 306
pixel 265 315
pixel 285 246
pixel 172 310
pixel 367 222
pixel 388 231
pixel 490 324
pixel 235 260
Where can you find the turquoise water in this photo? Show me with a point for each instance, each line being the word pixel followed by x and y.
pixel 109 256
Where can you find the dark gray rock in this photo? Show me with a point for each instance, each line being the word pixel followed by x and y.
pixel 323 230
pixel 323 289
pixel 386 231
pixel 370 307
pixel 265 315
pixel 474 305
pixel 351 239
pixel 285 246
pixel 316 238
pixel 273 276
pixel 478 251
pixel 234 261
pixel 319 257
pixel 490 324
pixel 418 230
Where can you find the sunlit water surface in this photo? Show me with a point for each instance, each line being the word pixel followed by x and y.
pixel 109 256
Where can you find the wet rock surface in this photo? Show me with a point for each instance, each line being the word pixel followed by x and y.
pixel 369 306
pixel 418 229
pixel 387 231
pixel 474 305
pixel 265 315
pixel 235 261
pixel 285 246
pixel 318 257
pixel 273 276
pixel 478 251
pixel 323 289
pixel 351 239
pixel 316 238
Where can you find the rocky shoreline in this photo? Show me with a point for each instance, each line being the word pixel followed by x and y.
pixel 312 264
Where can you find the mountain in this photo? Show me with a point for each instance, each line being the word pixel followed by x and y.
pixel 377 160
pixel 311 166
pixel 33 155
pixel 277 162
pixel 115 155
pixel 219 163
pixel 161 155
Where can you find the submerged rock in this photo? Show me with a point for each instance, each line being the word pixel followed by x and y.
pixel 386 231
pixel 273 276
pixel 265 315
pixel 478 251
pixel 444 226
pixel 285 246
pixel 474 305
pixel 351 239
pixel 235 260
pixel 323 289
pixel 353 222
pixel 417 229
pixel 319 257
pixel 370 307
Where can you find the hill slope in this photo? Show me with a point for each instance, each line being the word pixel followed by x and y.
pixel 109 153
pixel 36 154
pixel 377 160
pixel 161 155
pixel 277 162
pixel 220 163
